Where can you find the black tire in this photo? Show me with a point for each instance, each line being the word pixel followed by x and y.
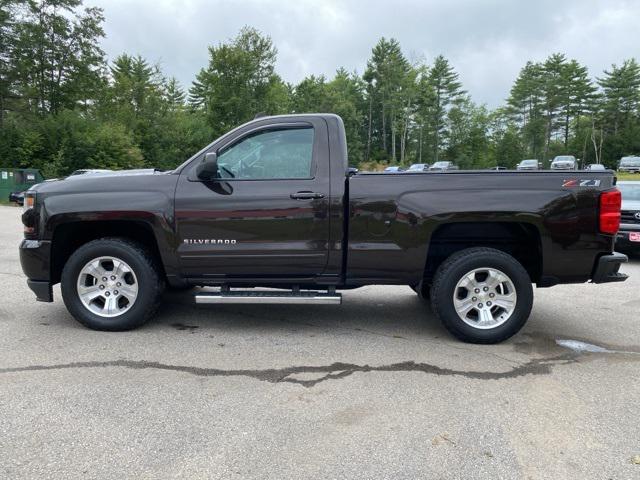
pixel 149 281
pixel 454 268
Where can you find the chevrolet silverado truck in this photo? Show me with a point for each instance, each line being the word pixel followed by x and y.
pixel 272 213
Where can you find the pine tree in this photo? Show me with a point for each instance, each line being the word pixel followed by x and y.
pixel 446 90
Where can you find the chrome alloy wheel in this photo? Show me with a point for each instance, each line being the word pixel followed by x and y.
pixel 485 298
pixel 107 286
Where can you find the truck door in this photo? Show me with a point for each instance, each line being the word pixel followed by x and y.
pixel 267 213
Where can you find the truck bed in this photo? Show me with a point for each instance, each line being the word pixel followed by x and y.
pixel 393 217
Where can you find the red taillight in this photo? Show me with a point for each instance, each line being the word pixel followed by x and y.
pixel 610 203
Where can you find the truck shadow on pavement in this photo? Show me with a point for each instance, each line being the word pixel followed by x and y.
pixel 400 317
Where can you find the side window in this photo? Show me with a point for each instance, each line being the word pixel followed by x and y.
pixel 269 154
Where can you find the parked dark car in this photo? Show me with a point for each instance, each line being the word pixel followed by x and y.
pixel 419 167
pixel 529 164
pixel 272 204
pixel 629 165
pixel 442 166
pixel 17 197
pixel 628 238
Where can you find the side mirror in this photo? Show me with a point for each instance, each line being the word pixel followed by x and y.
pixel 208 168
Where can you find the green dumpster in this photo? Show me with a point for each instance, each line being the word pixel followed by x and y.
pixel 17 180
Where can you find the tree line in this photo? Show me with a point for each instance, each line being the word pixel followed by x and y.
pixel 64 107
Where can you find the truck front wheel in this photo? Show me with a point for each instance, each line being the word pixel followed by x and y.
pixel 482 295
pixel 111 284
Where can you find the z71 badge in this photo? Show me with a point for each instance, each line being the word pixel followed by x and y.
pixel 574 182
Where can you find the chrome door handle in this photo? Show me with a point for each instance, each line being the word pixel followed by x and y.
pixel 306 195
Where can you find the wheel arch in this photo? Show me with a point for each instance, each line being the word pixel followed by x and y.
pixel 522 240
pixel 68 237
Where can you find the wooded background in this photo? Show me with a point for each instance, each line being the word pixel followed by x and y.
pixel 64 107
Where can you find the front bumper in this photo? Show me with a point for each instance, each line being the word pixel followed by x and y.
pixel 43 290
pixel 606 269
pixel 35 258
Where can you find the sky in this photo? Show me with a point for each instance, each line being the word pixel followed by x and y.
pixel 486 41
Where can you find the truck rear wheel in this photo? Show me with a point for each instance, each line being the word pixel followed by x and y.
pixel 111 284
pixel 482 295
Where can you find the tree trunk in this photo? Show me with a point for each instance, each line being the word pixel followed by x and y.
pixel 369 131
pixel 384 129
pixel 547 138
pixel 593 140
pixel 393 137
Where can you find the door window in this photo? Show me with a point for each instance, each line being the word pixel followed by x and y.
pixel 269 154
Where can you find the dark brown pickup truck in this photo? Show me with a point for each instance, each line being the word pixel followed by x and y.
pixel 273 204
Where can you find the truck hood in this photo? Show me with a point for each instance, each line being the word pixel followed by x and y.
pixel 138 171
pixel 101 182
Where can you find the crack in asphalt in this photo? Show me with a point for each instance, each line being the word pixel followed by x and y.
pixel 400 337
pixel 334 371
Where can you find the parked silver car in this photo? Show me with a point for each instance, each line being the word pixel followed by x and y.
pixel 393 170
pixel 629 164
pixel 418 167
pixel 564 162
pixel 529 164
pixel 440 166
pixel 595 167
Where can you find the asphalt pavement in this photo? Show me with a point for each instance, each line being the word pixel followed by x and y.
pixel 375 388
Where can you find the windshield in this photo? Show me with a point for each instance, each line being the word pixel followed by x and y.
pixel 564 158
pixel 529 162
pixel 630 191
pixel 630 162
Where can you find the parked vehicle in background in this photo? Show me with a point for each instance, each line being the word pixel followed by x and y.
pixel 419 167
pixel 271 204
pixel 442 166
pixel 393 170
pixel 17 197
pixel 596 167
pixel 498 167
pixel 628 238
pixel 564 162
pixel 629 165
pixel 529 164
pixel 89 171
